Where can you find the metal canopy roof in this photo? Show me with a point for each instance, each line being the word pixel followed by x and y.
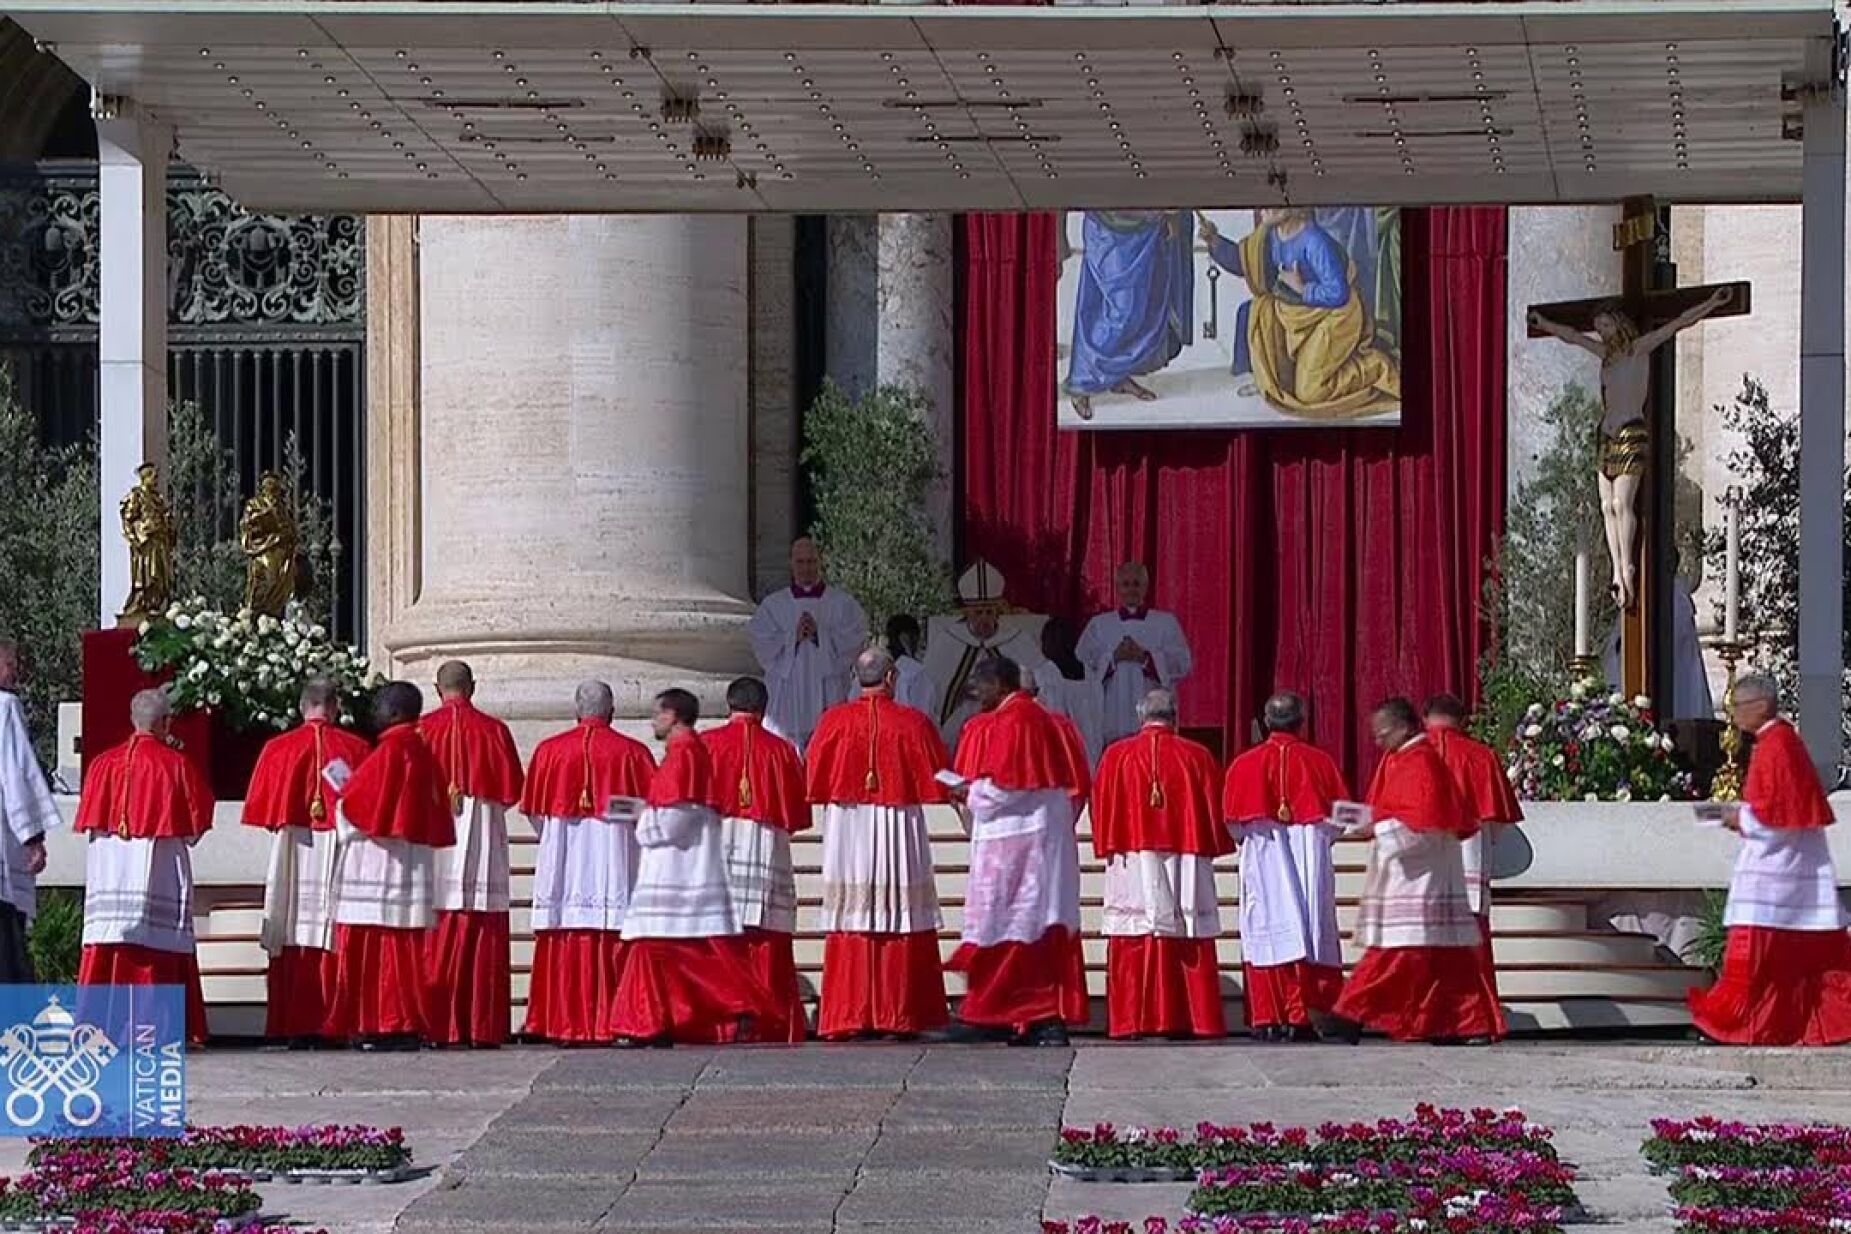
pixel 511 107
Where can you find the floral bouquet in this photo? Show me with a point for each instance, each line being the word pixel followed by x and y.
pixel 1676 1144
pixel 1376 1186
pixel 1594 746
pixel 248 668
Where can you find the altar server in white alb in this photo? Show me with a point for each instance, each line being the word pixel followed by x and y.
pixel 913 685
pixel 1069 688
pixel 687 974
pixel 27 810
pixel 293 796
pixel 806 636
pixel 1134 649
pixel 1786 975
pixel 1277 800
pixel 584 870
pixel 958 647
pixel 143 806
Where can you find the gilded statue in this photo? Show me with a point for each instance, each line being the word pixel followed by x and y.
pixel 268 535
pixel 148 526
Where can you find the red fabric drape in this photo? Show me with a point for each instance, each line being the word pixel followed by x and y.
pixel 1348 564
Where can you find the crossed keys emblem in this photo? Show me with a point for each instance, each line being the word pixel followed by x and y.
pixel 55 1052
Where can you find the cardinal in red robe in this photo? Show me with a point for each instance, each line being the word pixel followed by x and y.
pixel 1277 801
pixel 293 795
pixel 1485 791
pixel 394 819
pixel 687 977
pixel 470 997
pixel 1156 826
pixel 759 794
pixel 1786 972
pixel 871 766
pixel 584 870
pixel 1422 975
pixel 143 806
pixel 1020 946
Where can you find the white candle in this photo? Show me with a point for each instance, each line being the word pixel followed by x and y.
pixel 1732 574
pixel 1584 643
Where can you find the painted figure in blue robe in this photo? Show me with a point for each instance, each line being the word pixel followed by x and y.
pixel 1134 311
pixel 1305 339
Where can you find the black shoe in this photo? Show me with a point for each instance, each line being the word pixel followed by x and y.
pixel 393 1043
pixel 1336 1029
pixel 1047 1033
pixel 961 1033
pixel 1272 1034
pixel 664 1042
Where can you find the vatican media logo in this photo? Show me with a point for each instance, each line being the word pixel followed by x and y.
pixel 93 1060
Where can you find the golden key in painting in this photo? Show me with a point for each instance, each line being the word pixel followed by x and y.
pixel 1230 318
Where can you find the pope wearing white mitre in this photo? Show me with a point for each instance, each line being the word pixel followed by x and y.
pixel 958 645
pixel 806 637
pixel 1135 649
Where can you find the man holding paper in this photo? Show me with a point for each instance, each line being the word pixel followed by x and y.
pixel 1786 975
pixel 1157 828
pixel 1021 940
pixel 1277 800
pixel 759 790
pixel 1485 792
pixel 687 976
pixel 1421 975
pixel 27 812
pixel 872 766
pixel 584 870
pixel 470 998
pixel 394 816
pixel 294 795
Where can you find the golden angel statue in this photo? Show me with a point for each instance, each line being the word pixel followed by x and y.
pixel 148 526
pixel 267 534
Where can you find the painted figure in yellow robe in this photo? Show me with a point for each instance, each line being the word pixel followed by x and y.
pixel 1309 335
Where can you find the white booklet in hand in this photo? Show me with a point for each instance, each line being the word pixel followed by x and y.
pixel 952 780
pixel 1351 815
pixel 337 773
pixel 624 809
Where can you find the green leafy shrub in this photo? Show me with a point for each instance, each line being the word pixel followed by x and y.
pixel 56 938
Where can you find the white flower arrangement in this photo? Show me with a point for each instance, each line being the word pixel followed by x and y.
pixel 247 669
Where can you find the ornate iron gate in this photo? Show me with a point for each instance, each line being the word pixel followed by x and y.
pixel 266 335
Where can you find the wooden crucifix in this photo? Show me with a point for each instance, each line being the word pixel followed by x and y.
pixel 1638 425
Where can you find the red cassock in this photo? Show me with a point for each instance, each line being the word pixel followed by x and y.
pixel 759 776
pixel 1429 992
pixel 288 790
pixel 145 789
pixel 872 751
pixel 1783 986
pixel 1289 781
pixel 380 983
pixel 469 964
pixel 572 991
pixel 1018 747
pixel 1485 790
pixel 1156 793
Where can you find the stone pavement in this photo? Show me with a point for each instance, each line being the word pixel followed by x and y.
pixel 925 1140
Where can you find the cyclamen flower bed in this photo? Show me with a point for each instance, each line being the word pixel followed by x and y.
pixel 1712 1141
pixel 122 1183
pixel 1482 1213
pixel 262 1152
pixel 1758 1221
pixel 1161 1152
pixel 1383 1186
pixel 1754 1178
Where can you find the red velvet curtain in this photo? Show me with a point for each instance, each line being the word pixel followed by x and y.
pixel 1348 564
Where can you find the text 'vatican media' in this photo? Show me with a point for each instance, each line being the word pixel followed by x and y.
pixel 157 1083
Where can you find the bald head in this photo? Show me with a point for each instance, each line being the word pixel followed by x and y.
pixel 593 701
pixel 149 712
pixel 455 680
pixel 1158 707
pixel 320 700
pixel 873 668
pixel 1285 712
pixel 1133 584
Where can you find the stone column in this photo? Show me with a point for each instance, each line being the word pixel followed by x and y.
pixel 891 282
pixel 132 154
pixel 584 459
pixel 1556 253
pixel 1822 429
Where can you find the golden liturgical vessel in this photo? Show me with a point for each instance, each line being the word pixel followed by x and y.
pixel 271 543
pixel 148 526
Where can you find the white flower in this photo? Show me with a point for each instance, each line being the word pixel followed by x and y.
pixel 183 622
pixel 173 610
pixel 1557 761
pixel 266 624
pixel 317 633
pixel 1641 701
pixel 1535 711
pixel 1624 794
pixel 1578 690
pixel 197 670
pixel 1592 797
pixel 1534 730
pixel 1620 732
pixel 142 628
pixel 212 699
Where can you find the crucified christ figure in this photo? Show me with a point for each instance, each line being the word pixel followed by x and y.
pixel 1625 375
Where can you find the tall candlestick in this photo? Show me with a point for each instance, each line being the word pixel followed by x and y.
pixel 1732 573
pixel 1584 642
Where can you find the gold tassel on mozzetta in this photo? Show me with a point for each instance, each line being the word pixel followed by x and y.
pixel 316 810
pixel 1156 786
pixel 745 773
pixel 873 781
pixel 584 794
pixel 1284 811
